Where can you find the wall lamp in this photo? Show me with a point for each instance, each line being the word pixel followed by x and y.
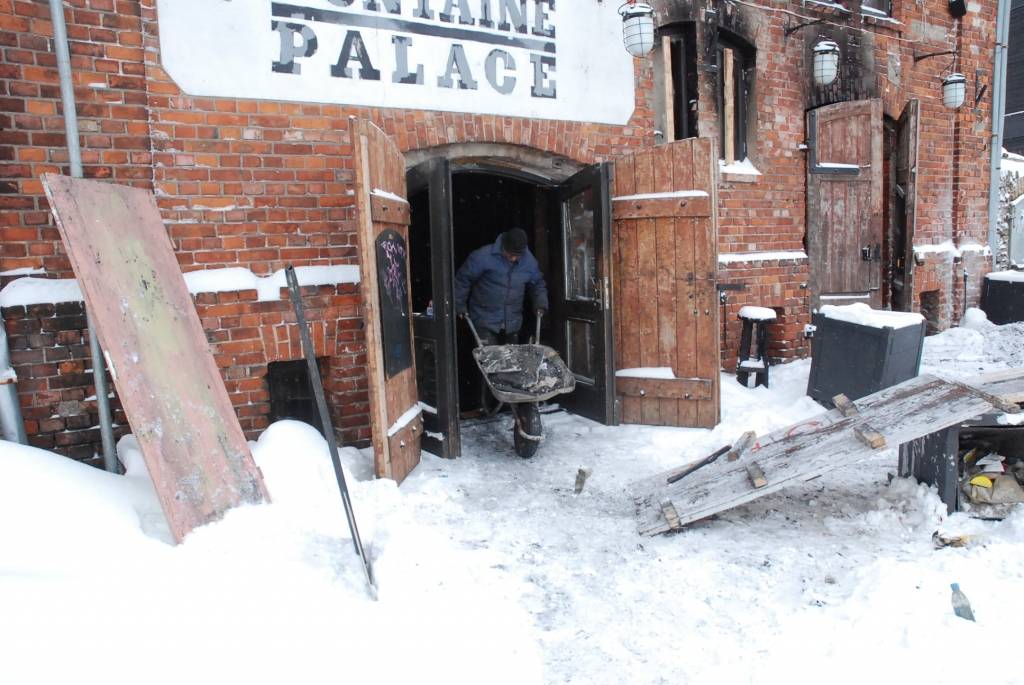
pixel 954 85
pixel 826 54
pixel 637 28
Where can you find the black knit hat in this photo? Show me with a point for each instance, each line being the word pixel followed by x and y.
pixel 513 241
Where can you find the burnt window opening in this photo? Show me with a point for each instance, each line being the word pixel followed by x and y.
pixel 291 396
pixel 676 68
pixel 736 70
pixel 878 8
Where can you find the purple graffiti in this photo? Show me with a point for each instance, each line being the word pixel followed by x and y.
pixel 394 270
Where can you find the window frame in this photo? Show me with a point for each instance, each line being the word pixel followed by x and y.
pixel 744 73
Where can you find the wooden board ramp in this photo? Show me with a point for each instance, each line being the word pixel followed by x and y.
pixel 1008 384
pixel 803 451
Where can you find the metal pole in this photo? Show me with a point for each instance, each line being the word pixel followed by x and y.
pixel 67 96
pixel 998 109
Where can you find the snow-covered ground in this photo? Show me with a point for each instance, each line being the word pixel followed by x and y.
pixel 490 569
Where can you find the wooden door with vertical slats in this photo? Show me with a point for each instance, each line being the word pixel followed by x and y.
pixel 382 229
pixel 665 256
pixel 844 203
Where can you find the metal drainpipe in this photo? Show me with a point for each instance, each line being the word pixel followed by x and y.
pixel 67 96
pixel 10 411
pixel 998 109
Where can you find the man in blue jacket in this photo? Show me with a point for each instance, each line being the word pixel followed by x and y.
pixel 491 284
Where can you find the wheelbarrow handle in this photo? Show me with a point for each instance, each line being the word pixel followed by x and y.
pixel 536 338
pixel 465 317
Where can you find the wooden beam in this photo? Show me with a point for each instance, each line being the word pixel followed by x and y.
pixel 869 436
pixel 742 445
pixel 664 388
pixel 729 105
pixel 670 90
pixel 694 206
pixel 388 210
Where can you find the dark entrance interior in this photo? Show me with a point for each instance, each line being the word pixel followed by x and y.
pixel 290 394
pixel 483 205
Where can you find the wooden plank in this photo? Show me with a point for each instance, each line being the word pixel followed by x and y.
pixel 1008 385
pixel 389 211
pixel 668 510
pixel 729 105
pixel 628 346
pixel 656 207
pixel 669 89
pixel 804 451
pixel 648 283
pixel 674 388
pixel 685 271
pixel 666 259
pixel 158 354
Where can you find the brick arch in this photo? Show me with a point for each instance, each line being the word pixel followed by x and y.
pixel 515 160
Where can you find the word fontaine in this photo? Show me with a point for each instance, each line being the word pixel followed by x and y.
pixel 515 27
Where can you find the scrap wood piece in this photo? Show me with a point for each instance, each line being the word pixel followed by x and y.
pixel 159 357
pixel 668 510
pixel 809 449
pixel 687 470
pixel 845 406
pixel 1008 384
pixel 756 475
pixel 869 436
pixel 745 442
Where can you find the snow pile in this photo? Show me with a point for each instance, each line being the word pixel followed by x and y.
pixel 976 319
pixel 862 314
pixel 492 569
pixel 1008 276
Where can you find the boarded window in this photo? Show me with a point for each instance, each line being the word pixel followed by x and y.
pixel 735 96
pixel 676 66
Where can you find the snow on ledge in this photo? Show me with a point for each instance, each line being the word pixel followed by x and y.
pixel 864 315
pixel 735 257
pixel 947 247
pixel 23 271
pixel 388 194
pixel 28 290
pixel 746 167
pixel 661 196
pixel 405 419
pixel 663 372
pixel 757 313
pixel 1012 276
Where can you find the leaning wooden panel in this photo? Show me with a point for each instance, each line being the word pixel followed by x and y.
pixel 158 355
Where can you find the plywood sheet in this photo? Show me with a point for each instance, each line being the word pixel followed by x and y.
pixel 158 355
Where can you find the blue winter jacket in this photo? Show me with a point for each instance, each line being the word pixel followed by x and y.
pixel 494 287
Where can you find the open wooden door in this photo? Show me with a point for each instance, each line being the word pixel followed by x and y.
pixel 430 195
pixel 665 252
pixel 382 229
pixel 580 293
pixel 905 214
pixel 844 203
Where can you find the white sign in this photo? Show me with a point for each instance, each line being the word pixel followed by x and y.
pixel 522 58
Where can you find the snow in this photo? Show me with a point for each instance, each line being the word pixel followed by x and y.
pixel 734 257
pixel 757 313
pixel 661 196
pixel 663 372
pixel 862 314
pixel 1012 276
pixel 23 271
pixel 387 194
pixel 746 167
pixel 490 569
pixel 838 165
pixel 29 291
pixel 405 419
pixel 1011 163
pixel 948 248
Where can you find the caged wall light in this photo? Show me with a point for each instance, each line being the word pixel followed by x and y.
pixel 826 62
pixel 954 85
pixel 637 28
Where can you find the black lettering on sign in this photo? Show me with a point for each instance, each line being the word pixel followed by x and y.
pixel 305 47
pixel 354 42
pixel 392 281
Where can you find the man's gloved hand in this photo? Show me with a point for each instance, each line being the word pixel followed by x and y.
pixel 541 312
pixel 460 312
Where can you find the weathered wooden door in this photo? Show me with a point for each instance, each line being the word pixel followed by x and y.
pixel 430 192
pixel 905 207
pixel 382 229
pixel 665 252
pixel 844 202
pixel 580 292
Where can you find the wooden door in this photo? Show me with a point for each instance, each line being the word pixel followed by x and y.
pixel 580 291
pixel 844 203
pixel 666 300
pixel 905 204
pixel 382 230
pixel 430 193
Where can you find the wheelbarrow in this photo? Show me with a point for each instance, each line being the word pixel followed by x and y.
pixel 522 376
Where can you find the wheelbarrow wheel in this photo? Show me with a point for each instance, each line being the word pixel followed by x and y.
pixel 526 430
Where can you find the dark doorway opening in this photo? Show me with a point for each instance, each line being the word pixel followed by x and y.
pixel 483 206
pixel 290 394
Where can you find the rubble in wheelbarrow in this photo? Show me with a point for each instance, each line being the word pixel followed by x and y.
pixel 528 369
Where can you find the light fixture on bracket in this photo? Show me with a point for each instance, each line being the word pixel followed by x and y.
pixel 825 66
pixel 954 84
pixel 637 28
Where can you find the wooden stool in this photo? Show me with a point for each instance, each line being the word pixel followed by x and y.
pixel 755 323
